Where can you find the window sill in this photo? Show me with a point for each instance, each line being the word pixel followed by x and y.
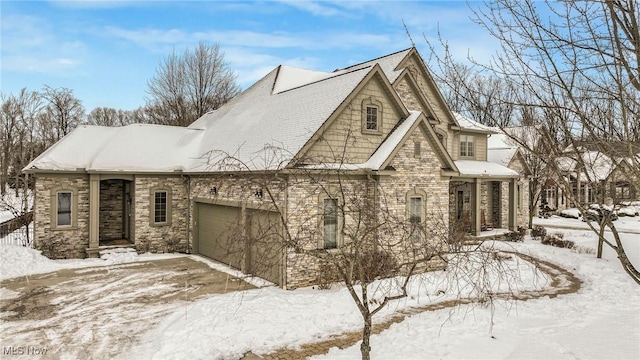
pixel 64 228
pixel 160 224
pixel 372 132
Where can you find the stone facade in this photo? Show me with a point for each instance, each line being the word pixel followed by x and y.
pixel 58 242
pixel 172 236
pixel 111 210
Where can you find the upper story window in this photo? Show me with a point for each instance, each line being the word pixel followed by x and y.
pixel 330 223
pixel 371 116
pixel 466 146
pixel 63 208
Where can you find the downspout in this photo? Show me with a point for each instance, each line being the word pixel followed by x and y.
pixel 187 179
pixel 285 249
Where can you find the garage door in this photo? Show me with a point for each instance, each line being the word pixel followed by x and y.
pixel 221 238
pixel 265 257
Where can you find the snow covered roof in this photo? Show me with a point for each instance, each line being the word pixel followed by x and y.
pixel 598 166
pixel 473 168
pixel 136 147
pixel 388 63
pixel 262 130
pixel 467 123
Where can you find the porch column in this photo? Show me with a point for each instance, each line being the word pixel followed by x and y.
pixel 513 204
pixel 476 206
pixel 94 210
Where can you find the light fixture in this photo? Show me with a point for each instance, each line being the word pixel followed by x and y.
pixel 213 190
pixel 258 193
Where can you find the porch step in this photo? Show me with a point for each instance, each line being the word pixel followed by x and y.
pixel 95 252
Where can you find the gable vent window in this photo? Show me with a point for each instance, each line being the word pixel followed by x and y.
pixel 416 149
pixel 372 118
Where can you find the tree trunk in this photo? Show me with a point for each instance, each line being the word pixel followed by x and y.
pixel 600 241
pixel 365 347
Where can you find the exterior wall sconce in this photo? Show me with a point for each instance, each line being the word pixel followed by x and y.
pixel 213 190
pixel 258 193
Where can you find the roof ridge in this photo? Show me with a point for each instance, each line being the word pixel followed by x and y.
pixel 375 59
pixel 324 79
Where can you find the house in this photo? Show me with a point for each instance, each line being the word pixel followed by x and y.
pixel 503 150
pixel 588 175
pixel 276 160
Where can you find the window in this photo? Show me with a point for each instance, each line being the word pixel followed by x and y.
pixel 63 209
pixel 372 118
pixel 416 149
pixel 415 218
pixel 623 191
pixel 519 196
pixel 466 146
pixel 160 207
pixel 63 212
pixel 330 223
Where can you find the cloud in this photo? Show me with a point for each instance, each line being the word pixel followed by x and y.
pixel 313 7
pixel 29 45
pixel 96 4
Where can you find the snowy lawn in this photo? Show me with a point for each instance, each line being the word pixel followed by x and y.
pixel 601 320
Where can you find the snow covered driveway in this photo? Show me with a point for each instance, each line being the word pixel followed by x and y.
pixel 101 310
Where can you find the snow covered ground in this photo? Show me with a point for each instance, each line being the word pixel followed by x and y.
pixel 600 321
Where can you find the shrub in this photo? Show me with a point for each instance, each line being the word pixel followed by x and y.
pixel 538 232
pixel 516 236
pixel 557 240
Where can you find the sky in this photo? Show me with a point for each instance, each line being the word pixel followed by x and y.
pixel 106 51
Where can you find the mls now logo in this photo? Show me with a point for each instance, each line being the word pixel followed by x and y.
pixel 23 350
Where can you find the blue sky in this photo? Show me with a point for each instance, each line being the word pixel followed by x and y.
pixel 106 51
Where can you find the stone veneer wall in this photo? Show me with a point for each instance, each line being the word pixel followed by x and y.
pixel 61 243
pixel 417 174
pixel 173 237
pixel 111 206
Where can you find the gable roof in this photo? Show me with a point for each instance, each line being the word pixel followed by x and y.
pixel 388 63
pixel 383 155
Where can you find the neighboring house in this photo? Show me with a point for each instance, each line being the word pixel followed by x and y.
pixel 592 177
pixel 271 153
pixel 504 151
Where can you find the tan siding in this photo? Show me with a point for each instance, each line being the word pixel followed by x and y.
pixel 346 130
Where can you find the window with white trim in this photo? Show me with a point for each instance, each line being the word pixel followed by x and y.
pixel 63 208
pixel 330 223
pixel 466 146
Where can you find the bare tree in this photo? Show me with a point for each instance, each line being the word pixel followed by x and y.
pixel 64 111
pixel 105 116
pixel 575 65
pixel 188 85
pixel 351 227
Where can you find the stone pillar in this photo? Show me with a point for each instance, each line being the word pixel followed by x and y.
pixel 513 204
pixel 94 211
pixel 477 200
